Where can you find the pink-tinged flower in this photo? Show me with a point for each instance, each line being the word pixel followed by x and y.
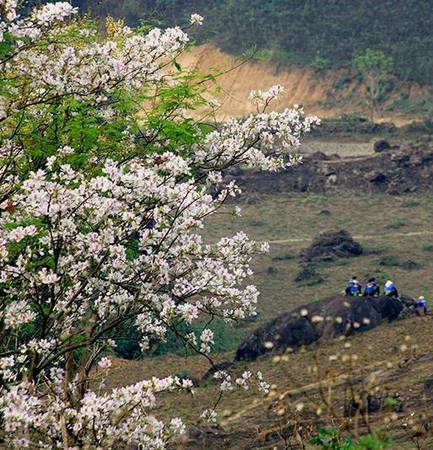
pixel 47 276
pixel 105 363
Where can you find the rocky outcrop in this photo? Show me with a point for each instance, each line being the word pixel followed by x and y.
pixel 395 171
pixel 321 321
pixel 330 246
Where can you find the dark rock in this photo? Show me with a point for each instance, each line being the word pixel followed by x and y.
pixel 331 245
pixel 395 171
pixel 271 270
pixel 370 404
pixel 318 156
pixel 227 366
pixel 306 273
pixel 324 320
pixel 235 171
pixel 410 265
pixel 325 212
pixel 381 145
pixel 428 387
pixel 376 177
pixel 206 432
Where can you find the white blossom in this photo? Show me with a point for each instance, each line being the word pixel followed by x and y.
pixel 196 19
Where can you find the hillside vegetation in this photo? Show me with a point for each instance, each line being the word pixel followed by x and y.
pixel 317 34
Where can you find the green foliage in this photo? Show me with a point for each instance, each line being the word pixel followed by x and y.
pixel 428 248
pixel 308 33
pixel 374 66
pixel 331 439
pixel 182 374
pixel 128 339
pixel 373 62
pixel 390 403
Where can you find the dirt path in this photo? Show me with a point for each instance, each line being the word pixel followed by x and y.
pixel 360 237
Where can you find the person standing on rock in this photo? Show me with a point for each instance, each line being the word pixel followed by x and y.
pixel 390 289
pixel 371 288
pixel 353 287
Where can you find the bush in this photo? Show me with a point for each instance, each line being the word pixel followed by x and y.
pixel 331 439
pixel 128 340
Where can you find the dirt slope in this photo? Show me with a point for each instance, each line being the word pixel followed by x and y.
pixel 315 91
pixel 301 86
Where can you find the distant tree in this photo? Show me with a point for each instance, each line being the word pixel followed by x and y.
pixel 374 66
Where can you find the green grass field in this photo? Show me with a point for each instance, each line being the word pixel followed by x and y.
pixel 392 230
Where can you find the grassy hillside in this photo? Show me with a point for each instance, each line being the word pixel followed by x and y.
pixel 399 247
pixel 289 223
pixel 318 34
pixel 392 362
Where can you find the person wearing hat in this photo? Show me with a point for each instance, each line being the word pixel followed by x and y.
pixel 421 306
pixel 353 287
pixel 371 288
pixel 390 289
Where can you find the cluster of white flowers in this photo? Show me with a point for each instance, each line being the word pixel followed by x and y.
pixel 196 19
pixel 209 416
pixel 254 141
pixel 84 72
pixel 108 420
pixel 206 339
pixel 245 381
pixel 8 9
pixel 264 97
pixel 82 251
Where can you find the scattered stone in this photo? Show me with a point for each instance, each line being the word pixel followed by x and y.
pixel 381 145
pixel 206 433
pixel 376 177
pixel 410 265
pixel 428 387
pixel 395 171
pixel 331 179
pixel 309 276
pixel 332 245
pixel 370 404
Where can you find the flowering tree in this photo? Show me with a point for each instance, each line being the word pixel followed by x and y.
pixel 104 191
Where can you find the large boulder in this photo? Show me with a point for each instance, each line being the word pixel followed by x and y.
pixel 322 320
pixel 330 246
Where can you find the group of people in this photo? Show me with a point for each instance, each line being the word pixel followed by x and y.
pixel 372 288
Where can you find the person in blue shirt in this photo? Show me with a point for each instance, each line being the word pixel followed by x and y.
pixel 371 288
pixel 353 288
pixel 390 289
pixel 421 305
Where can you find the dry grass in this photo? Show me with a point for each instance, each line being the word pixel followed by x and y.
pixel 249 421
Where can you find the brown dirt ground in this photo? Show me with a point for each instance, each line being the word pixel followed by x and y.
pixel 302 86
